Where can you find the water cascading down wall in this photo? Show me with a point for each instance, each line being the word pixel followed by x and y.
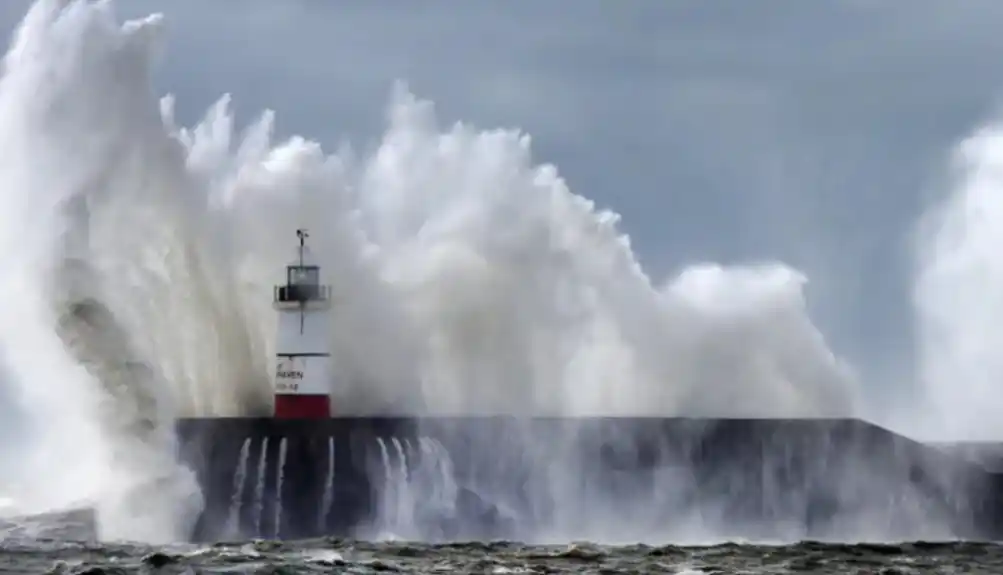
pixel 629 479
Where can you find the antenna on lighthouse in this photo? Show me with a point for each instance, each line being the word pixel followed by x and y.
pixel 302 234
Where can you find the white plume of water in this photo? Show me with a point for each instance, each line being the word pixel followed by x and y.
pixel 468 278
pixel 959 296
pixel 100 413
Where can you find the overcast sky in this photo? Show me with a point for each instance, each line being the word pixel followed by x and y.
pixel 809 132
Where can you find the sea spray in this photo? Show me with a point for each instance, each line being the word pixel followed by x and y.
pixel 467 277
pixel 102 438
pixel 959 282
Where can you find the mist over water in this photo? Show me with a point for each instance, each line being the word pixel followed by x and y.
pixel 959 282
pixel 139 258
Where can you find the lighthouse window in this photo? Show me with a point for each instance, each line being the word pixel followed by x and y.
pixel 307 275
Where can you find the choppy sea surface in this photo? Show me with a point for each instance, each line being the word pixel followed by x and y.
pixel 46 544
pixel 339 556
pixel 63 543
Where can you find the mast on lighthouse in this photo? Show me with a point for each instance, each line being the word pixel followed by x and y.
pixel 303 359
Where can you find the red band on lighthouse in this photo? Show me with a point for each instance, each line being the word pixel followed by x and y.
pixel 302 406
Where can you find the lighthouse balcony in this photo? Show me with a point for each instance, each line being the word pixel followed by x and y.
pixel 294 296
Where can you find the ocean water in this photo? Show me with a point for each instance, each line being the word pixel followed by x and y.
pixel 66 543
pixel 335 556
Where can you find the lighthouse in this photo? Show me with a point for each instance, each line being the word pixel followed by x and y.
pixel 302 351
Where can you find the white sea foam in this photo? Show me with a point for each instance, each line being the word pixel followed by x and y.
pixel 468 276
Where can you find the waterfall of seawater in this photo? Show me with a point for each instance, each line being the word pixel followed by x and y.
pixel 259 488
pixel 405 497
pixel 436 470
pixel 419 488
pixel 386 520
pixel 328 497
pixel 279 478
pixel 239 479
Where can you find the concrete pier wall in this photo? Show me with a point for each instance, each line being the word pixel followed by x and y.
pixel 598 478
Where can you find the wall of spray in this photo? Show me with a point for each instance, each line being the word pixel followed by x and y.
pixel 469 278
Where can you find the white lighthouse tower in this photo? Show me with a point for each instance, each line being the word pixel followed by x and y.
pixel 302 353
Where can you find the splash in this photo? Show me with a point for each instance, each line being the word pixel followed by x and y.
pixel 958 286
pixel 468 277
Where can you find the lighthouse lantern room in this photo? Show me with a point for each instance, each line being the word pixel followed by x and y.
pixel 302 352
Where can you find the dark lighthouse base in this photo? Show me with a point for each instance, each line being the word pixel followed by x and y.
pixel 627 479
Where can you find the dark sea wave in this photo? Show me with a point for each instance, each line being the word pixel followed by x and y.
pixel 340 556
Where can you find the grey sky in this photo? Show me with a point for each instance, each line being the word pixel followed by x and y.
pixel 808 132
